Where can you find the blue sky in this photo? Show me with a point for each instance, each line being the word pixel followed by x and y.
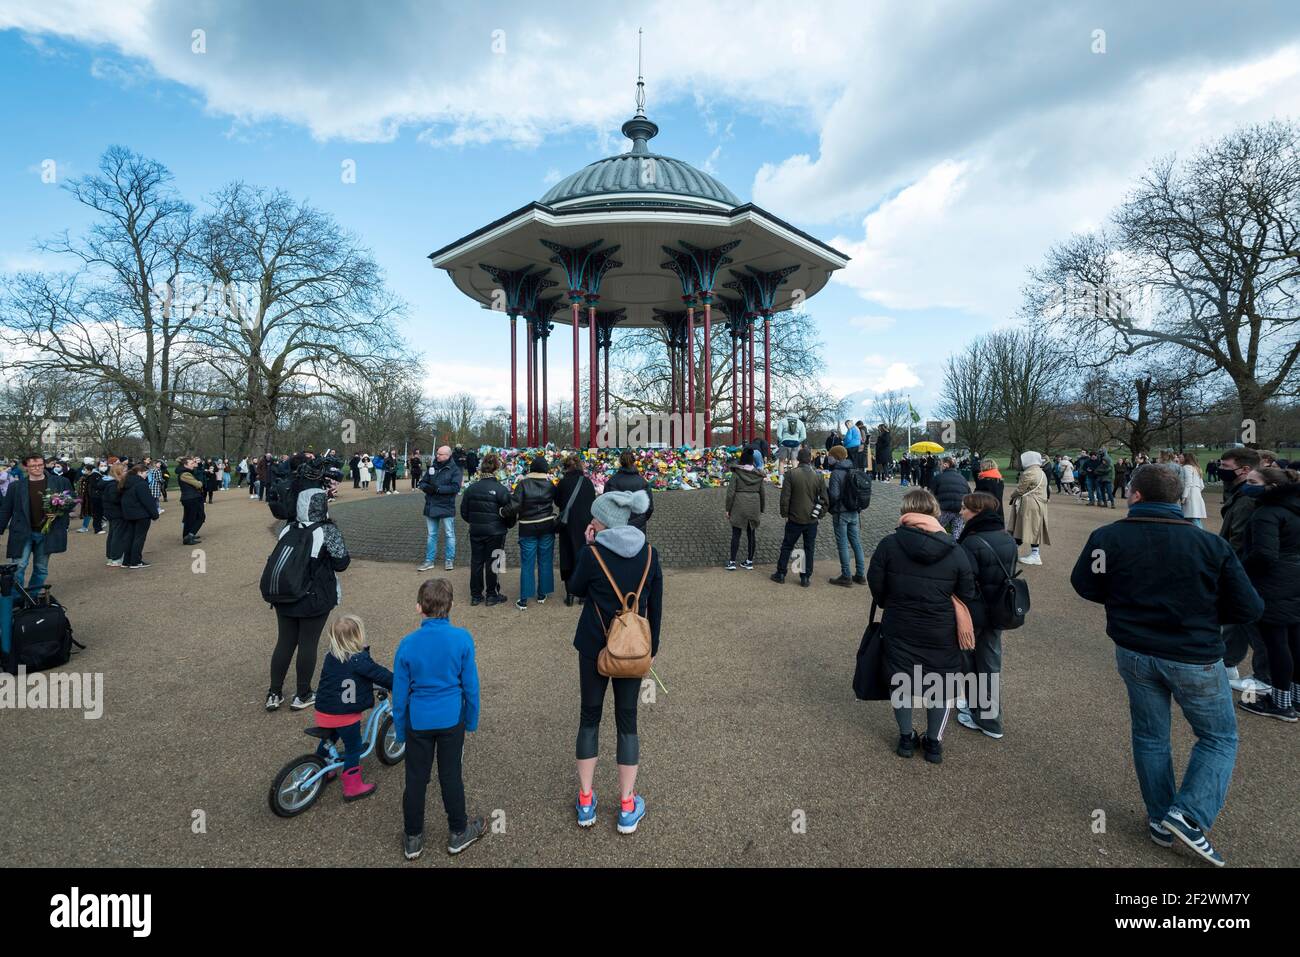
pixel 943 149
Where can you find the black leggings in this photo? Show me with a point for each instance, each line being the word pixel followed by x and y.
pixel 303 635
pixel 749 542
pixel 593 685
pixel 1282 639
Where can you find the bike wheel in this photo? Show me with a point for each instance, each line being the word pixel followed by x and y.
pixel 287 796
pixel 390 751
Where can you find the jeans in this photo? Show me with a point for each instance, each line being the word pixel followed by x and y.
pixel 351 735
pixel 536 574
pixel 1105 492
pixel 447 745
pixel 34 552
pixel 793 532
pixel 1203 694
pixel 432 526
pixel 483 580
pixel 379 481
pixel 846 534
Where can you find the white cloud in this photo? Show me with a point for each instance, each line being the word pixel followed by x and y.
pixel 896 377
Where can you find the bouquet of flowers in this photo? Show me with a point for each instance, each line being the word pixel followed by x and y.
pixel 57 505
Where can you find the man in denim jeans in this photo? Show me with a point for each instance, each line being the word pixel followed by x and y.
pixel 440 485
pixel 845 518
pixel 1167 586
pixel 22 513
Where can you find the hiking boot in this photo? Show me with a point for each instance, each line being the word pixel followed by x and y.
pixel 859 579
pixel 586 812
pixel 933 750
pixel 778 577
pixel 843 580
pixel 463 839
pixel 1190 833
pixel 628 820
pixel 906 745
pixel 412 845
pixel 354 788
pixel 805 581
pixel 1265 706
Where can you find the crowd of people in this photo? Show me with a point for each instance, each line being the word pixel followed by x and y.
pixel 942 578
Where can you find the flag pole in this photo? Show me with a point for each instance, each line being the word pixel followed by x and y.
pixel 909 421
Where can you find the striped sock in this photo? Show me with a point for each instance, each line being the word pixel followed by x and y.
pixel 1281 698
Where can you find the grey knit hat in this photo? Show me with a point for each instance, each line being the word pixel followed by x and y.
pixel 614 509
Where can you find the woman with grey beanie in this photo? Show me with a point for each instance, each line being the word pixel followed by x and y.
pixel 617 562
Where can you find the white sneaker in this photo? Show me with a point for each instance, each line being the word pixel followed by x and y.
pixel 1031 559
pixel 425 567
pixel 1251 684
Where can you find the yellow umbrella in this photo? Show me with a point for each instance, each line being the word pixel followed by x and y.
pixel 933 447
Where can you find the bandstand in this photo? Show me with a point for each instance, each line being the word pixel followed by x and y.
pixel 641 239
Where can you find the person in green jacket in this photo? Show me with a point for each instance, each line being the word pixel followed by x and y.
pixel 803 502
pixel 1103 474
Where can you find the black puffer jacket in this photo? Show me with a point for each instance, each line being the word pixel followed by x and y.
pixel 987 542
pixel 913 576
pixel 534 500
pixel 112 501
pixel 949 487
pixel 1272 552
pixel 137 501
pixel 481 506
pixel 630 480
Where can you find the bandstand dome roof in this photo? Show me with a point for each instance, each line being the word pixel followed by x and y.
pixel 625 175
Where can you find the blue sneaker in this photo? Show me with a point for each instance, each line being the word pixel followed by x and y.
pixel 586 813
pixel 1160 834
pixel 1192 836
pixel 628 820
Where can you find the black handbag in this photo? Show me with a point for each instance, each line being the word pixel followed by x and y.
pixel 871 674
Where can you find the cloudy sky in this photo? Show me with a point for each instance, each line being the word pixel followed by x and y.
pixel 944 146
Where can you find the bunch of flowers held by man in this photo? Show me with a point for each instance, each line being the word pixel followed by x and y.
pixel 57 505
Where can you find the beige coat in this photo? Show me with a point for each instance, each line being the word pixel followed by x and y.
pixel 1029 508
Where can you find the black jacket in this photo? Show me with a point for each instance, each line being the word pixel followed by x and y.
pixel 481 506
pixel 949 487
pixel 191 493
pixel 364 673
pixel 993 556
pixel 534 499
pixel 137 501
pixel 1271 552
pixel 630 480
pixel 588 581
pixel 1236 511
pixel 995 487
pixel 15 515
pixel 112 498
pixel 842 472
pixel 311 507
pixel 913 576
pixel 441 485
pixel 1167 586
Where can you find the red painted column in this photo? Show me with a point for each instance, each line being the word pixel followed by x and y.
pixel 546 409
pixel 514 400
pixel 690 372
pixel 708 370
pixel 749 409
pixel 735 392
pixel 672 384
pixel 767 376
pixel 593 384
pixel 575 295
pixel 528 362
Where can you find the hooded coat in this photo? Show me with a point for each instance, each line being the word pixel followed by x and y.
pixel 746 498
pixel 1271 552
pixel 573 532
pixel 630 480
pixel 1029 503
pixel 328 555
pixel 913 576
pixel 625 552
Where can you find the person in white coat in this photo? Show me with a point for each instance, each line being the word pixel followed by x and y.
pixel 1193 503
pixel 791 434
pixel 364 467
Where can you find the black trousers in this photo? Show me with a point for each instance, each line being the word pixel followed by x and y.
pixel 1240 640
pixel 749 542
pixel 447 745
pixel 115 544
pixel 356 479
pixel 136 531
pixel 483 580
pixel 301 635
pixel 390 480
pixel 593 686
pixel 985 664
pixel 192 516
pixel 793 531
pixel 1283 643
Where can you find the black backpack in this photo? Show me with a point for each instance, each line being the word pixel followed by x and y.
pixel 1007 609
pixel 287 577
pixel 855 494
pixel 281 500
pixel 34 636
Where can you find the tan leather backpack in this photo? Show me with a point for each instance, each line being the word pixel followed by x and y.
pixel 627 638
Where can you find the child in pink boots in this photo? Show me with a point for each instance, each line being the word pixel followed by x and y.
pixel 344 693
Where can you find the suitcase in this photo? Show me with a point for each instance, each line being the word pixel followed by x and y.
pixel 35 635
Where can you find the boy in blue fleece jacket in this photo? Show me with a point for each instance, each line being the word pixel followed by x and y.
pixel 435 701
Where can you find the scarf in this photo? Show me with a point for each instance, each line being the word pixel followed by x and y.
pixel 991 473
pixel 965 627
pixel 1156 510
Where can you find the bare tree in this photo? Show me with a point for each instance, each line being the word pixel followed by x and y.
pixel 970 398
pixel 892 409
pixel 1025 365
pixel 1205 257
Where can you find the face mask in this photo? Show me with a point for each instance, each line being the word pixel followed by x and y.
pixel 103 468
pixel 1252 491
pixel 58 470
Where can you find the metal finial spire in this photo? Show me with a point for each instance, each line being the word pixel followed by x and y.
pixel 640 77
